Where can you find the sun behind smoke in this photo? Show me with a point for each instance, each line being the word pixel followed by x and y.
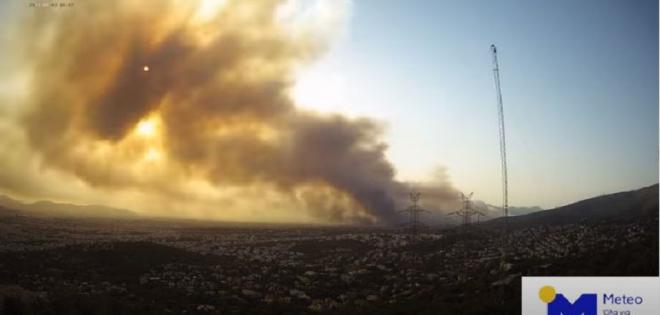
pixel 190 112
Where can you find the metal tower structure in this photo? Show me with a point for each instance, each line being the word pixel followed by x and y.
pixel 479 214
pixel 413 211
pixel 500 110
pixel 466 212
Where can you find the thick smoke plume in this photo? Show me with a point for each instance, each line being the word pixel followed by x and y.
pixel 174 99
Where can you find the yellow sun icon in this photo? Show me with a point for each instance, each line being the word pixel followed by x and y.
pixel 547 294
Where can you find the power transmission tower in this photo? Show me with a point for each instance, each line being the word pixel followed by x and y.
pixel 479 214
pixel 414 211
pixel 500 110
pixel 466 212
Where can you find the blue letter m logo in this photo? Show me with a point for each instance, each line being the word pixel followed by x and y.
pixel 585 305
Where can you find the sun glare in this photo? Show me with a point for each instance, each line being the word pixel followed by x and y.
pixel 207 9
pixel 320 90
pixel 146 128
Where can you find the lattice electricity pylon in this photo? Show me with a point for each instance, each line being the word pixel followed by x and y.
pixel 479 214
pixel 466 212
pixel 413 211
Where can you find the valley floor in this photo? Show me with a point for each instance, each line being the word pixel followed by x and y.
pixel 76 266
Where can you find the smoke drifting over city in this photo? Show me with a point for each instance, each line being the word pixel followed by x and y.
pixel 184 109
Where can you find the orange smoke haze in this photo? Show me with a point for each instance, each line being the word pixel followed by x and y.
pixel 180 108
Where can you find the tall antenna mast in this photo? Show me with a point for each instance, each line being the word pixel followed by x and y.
pixel 500 110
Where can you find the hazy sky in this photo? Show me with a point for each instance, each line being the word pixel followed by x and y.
pixel 324 110
pixel 579 82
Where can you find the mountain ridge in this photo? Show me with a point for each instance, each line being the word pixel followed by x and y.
pixel 48 208
pixel 620 205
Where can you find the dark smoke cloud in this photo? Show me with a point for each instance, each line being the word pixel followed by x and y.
pixel 220 93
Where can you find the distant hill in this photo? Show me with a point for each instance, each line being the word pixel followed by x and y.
pixel 491 212
pixel 629 204
pixel 9 206
pixel 495 212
